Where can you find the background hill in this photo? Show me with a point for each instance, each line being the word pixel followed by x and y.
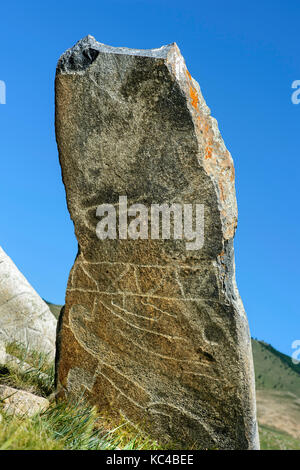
pixel 274 370
pixel 277 393
pixel 55 309
pixel 278 397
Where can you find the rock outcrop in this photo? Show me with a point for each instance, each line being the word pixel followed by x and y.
pixel 21 403
pixel 24 316
pixel 153 329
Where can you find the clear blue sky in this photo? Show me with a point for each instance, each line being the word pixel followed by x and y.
pixel 245 55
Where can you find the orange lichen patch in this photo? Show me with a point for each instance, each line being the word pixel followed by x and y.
pixel 217 161
pixel 208 152
pixel 188 74
pixel 193 92
pixel 194 97
pixel 221 165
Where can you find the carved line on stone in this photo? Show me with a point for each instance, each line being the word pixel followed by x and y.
pixel 135 314
pixel 121 391
pixel 139 328
pixel 154 289
pixel 125 417
pixel 136 280
pixel 129 379
pixel 90 351
pixel 156 308
pixel 98 370
pixel 154 404
pixel 207 428
pixel 120 277
pixel 180 285
pixel 151 404
pixel 159 266
pixel 159 284
pixel 132 294
pixel 168 358
pixel 88 275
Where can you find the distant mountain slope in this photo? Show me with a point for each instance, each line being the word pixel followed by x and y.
pixel 55 309
pixel 274 370
pixel 271 439
pixel 277 397
pixel 279 411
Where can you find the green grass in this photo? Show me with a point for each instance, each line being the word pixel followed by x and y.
pixel 275 373
pixel 77 425
pixel 64 425
pixel 272 439
pixel 274 370
pixel 38 377
pixel 71 426
pixel 26 434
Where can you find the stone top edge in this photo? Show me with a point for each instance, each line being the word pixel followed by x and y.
pixel 84 53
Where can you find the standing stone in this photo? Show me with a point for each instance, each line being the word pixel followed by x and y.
pixel 151 332
pixel 24 316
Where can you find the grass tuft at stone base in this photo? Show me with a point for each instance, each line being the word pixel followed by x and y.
pixel 64 425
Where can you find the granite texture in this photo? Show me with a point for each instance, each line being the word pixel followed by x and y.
pixel 151 332
pixel 24 317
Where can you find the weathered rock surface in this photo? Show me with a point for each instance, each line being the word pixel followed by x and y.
pixel 151 331
pixel 3 354
pixel 19 402
pixel 24 316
